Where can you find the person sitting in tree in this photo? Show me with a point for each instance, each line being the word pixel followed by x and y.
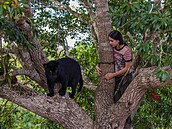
pixel 123 61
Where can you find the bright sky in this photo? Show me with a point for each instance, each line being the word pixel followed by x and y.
pixel 73 5
pixel 70 41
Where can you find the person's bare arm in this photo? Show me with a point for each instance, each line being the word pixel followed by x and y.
pixel 120 72
pixel 98 70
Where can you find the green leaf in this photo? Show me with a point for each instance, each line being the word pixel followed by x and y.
pixel 22 1
pixel 1 9
pixel 26 5
pixel 6 3
pixel 158 71
pixel 164 76
pixel 170 62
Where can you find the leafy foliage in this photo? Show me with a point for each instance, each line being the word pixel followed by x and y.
pixel 15 117
pixel 86 54
pixel 56 26
pixel 12 8
pixel 7 118
pixel 155 113
pixel 13 34
pixel 147 27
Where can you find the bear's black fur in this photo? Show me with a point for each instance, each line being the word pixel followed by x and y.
pixel 65 71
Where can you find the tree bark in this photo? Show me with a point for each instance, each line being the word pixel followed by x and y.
pixel 104 93
pixel 68 114
pixel 62 110
pixel 117 114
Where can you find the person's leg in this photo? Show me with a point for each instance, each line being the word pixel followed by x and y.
pixel 126 82
pixel 128 123
pixel 117 93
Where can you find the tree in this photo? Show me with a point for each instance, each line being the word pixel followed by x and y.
pixel 27 49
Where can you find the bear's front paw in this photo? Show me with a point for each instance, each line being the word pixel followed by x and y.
pixel 61 92
pixel 71 95
pixel 50 94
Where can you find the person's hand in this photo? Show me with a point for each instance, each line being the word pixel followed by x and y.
pixel 109 76
pixel 98 70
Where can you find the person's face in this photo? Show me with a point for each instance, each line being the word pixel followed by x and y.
pixel 113 42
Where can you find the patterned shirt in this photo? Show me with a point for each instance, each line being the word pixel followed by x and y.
pixel 121 56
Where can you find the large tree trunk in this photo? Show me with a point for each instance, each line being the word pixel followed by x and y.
pixel 104 93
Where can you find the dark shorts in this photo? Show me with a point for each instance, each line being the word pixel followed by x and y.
pixel 120 87
pixel 121 84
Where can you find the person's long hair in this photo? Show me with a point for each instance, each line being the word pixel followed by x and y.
pixel 116 35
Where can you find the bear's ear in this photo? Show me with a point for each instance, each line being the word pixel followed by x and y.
pixel 45 66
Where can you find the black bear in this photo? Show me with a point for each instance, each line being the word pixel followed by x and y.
pixel 65 71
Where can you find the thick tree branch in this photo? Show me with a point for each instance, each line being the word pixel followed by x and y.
pixel 39 58
pixel 11 50
pixel 130 100
pixel 33 58
pixel 87 5
pixel 92 20
pixel 32 74
pixel 88 84
pixel 62 110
